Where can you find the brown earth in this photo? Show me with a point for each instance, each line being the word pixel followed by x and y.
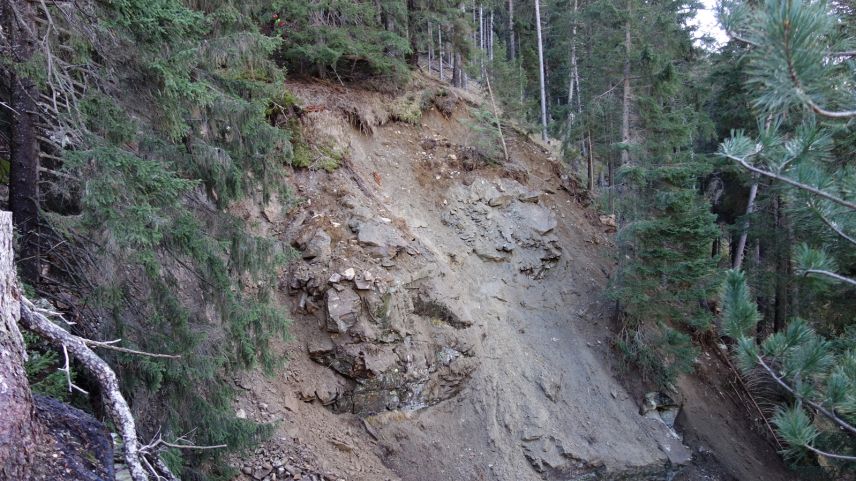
pixel 450 320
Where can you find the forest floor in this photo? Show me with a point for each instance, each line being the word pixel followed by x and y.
pixel 450 321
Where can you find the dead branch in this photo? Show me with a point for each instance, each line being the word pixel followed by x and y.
pixel 141 469
pixel 109 383
pixel 495 113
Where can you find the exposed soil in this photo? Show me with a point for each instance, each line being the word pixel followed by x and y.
pixel 450 322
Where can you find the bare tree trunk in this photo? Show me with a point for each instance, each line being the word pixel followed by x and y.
pixel 744 230
pixel 573 75
pixel 520 71
pixel 590 164
pixel 541 71
pixel 481 37
pixel 625 102
pixel 783 267
pixel 481 27
pixel 457 81
pixel 496 116
pixel 440 43
pixel 413 57
pixel 490 36
pixel 430 49
pixel 24 158
pixel 19 431
pixel 511 53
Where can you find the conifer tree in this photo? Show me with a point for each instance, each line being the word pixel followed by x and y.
pixel 800 76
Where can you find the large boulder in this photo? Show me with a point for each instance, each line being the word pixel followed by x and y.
pixel 383 238
pixel 541 220
pixel 318 247
pixel 343 309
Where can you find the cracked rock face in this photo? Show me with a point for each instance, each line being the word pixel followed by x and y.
pixel 343 308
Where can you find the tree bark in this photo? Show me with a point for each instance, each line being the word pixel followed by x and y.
pixel 481 37
pixel 457 81
pixel 573 74
pixel 413 57
pixel 590 164
pixel 744 232
pixel 783 267
pixel 625 102
pixel 430 49
pixel 19 431
pixel 440 44
pixel 490 38
pixel 541 71
pixel 24 158
pixel 481 27
pixel 511 52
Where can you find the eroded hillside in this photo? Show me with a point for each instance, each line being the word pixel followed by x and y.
pixel 449 315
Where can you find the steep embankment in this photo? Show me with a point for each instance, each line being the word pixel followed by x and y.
pixel 449 319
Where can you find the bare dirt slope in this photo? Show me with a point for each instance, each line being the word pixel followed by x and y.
pixel 449 319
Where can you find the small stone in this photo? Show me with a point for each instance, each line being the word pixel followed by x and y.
pixel 533 196
pixel 336 277
pixel 261 472
pixel 349 274
pixel 453 157
pixel 247 470
pixel 367 275
pixel 500 201
pixel 241 413
pixel 489 254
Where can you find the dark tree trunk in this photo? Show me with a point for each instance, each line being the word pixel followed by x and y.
pixel 783 267
pixel 19 431
pixel 511 52
pixel 457 80
pixel 24 178
pixel 625 98
pixel 413 57
pixel 24 161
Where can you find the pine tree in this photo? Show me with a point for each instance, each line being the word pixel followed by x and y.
pixel 800 77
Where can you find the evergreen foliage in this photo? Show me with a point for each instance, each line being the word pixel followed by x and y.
pixel 819 374
pixel 344 37
pixel 666 272
pixel 801 88
pixel 173 131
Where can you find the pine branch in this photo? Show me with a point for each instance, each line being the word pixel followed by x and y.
pixel 834 227
pixel 792 72
pixel 829 455
pixel 829 414
pixel 846 114
pixel 833 275
pixel 799 185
